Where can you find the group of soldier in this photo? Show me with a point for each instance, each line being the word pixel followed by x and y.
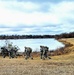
pixel 27 52
pixel 11 51
pixel 43 52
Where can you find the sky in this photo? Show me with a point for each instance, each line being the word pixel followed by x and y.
pixel 36 17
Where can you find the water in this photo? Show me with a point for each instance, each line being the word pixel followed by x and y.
pixel 34 43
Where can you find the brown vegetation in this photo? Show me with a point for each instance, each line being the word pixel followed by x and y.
pixel 20 66
pixel 68 48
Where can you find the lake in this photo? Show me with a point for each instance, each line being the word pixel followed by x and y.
pixel 34 43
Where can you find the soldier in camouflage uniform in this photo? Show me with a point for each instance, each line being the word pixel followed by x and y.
pixel 13 52
pixel 28 52
pixel 4 51
pixel 43 52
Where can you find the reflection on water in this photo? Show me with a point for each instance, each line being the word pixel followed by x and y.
pixel 34 43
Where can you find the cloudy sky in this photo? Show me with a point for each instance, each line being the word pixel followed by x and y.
pixel 36 17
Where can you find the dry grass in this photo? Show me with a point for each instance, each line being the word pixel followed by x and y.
pixel 69 43
pixel 20 66
pixel 71 40
pixel 57 65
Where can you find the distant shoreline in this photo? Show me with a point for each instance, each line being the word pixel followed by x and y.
pixel 59 36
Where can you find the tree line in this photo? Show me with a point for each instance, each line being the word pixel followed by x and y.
pixel 63 35
pixel 24 36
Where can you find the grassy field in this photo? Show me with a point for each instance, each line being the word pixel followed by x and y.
pixel 71 40
pixel 57 65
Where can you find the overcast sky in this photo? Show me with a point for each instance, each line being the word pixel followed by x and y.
pixel 36 17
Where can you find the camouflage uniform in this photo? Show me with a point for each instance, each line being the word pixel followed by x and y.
pixel 4 51
pixel 28 52
pixel 9 50
pixel 43 52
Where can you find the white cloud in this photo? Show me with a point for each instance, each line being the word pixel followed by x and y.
pixel 11 17
pixel 4 29
pixel 63 10
pixel 15 14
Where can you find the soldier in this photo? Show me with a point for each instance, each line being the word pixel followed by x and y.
pixel 43 52
pixel 28 52
pixel 12 53
pixel 14 50
pixel 4 51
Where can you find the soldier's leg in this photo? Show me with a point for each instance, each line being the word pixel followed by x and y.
pixel 49 57
pixel 26 57
pixel 31 56
pixel 46 56
pixel 9 55
pixel 12 54
pixel 3 55
pixel 43 57
pixel 15 55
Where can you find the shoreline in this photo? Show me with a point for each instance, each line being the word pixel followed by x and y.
pixel 68 48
